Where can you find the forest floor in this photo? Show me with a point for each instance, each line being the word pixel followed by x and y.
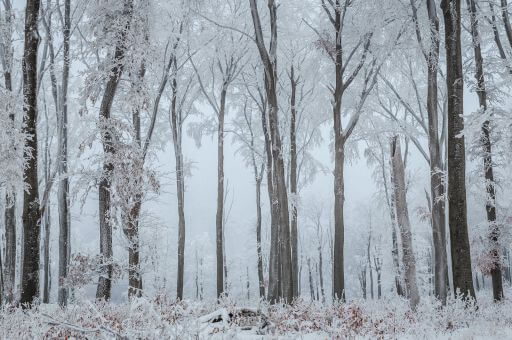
pixel 161 318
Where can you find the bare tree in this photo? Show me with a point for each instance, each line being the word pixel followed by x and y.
pixel 228 65
pixel 269 61
pixel 490 206
pixel 459 239
pixel 431 55
pixel 105 281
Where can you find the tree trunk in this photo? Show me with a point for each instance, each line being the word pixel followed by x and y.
pixel 273 277
pixel 176 127
pixel 321 272
pixel 311 289
pixel 269 60
pixel 220 194
pixel 293 181
pixel 46 256
pixel 368 258
pixel 362 281
pixel 339 199
pixel 436 176
pixel 390 200
pixel 31 210
pixel 63 190
pixel 459 239
pixel 490 206
pixel 103 290
pixel 47 216
pixel 404 222
pixel 261 280
pixel 9 273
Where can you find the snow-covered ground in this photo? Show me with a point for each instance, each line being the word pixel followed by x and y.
pixel 161 318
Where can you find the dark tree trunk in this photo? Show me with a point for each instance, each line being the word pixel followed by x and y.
pixel 63 190
pixel 176 127
pixel 103 290
pixel 459 239
pixel 46 256
pixel 220 194
pixel 490 206
pixel 293 181
pixel 31 210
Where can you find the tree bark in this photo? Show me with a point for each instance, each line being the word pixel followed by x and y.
pixel 261 280
pixel 63 190
pixel 490 206
pixel 176 127
pixel 31 210
pixel 404 223
pixel 459 239
pixel 103 290
pixel 9 272
pixel 273 277
pixel 220 194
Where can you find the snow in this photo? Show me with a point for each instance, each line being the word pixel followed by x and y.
pixel 165 319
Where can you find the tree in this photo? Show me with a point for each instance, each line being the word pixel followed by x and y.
pixel 490 206
pixel 31 210
pixel 104 283
pixel 9 271
pixel 404 224
pixel 457 205
pixel 431 55
pixel 269 61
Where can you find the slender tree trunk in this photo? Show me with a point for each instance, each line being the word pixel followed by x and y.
pixel 459 239
pixel 311 289
pixel 490 206
pixel 46 255
pixel 269 60
pixel 436 176
pixel 103 290
pixel 31 210
pixel 220 194
pixel 176 127
pixel 293 181
pixel 368 257
pixel 9 272
pixel 47 216
pixel 261 280
pixel 321 272
pixel 63 190
pixel 404 222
